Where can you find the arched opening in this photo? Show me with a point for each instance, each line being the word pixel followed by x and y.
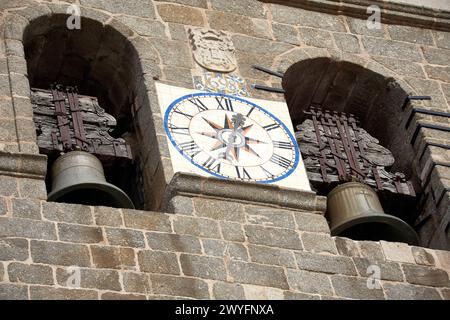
pixel 101 63
pixel 347 91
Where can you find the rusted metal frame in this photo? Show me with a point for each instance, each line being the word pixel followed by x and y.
pixel 366 164
pixel 77 119
pixel 323 158
pixel 348 145
pixel 427 126
pixel 333 143
pixel 62 118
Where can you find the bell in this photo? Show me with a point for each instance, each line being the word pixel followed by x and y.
pixel 78 177
pixel 355 212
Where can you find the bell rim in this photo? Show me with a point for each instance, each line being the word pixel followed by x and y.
pixel 407 230
pixel 125 201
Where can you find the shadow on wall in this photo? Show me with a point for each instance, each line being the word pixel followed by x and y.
pixel 100 62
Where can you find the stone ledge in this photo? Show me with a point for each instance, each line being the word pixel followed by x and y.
pixel 23 165
pixel 193 185
pixel 406 12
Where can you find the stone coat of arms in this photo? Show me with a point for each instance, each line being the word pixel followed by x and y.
pixel 213 50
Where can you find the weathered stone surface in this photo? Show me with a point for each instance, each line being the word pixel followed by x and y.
pixel 359 26
pixel 17 227
pixel 436 56
pixel 232 231
pixel 214 247
pixel 125 237
pixel 285 33
pixel 319 243
pixel 91 278
pixel 296 16
pixel 309 282
pixel 400 291
pixel 239 24
pixel 173 242
pixel 236 251
pixel 140 8
pixel 177 32
pixel 275 237
pixel 181 14
pixel 196 226
pixel 289 295
pixel 13 292
pixel 8 186
pixel 273 256
pixel 144 27
pixel 79 234
pixel 442 39
pixel 63 212
pixel 136 282
pixel 445 294
pixel 179 286
pixel 179 76
pixel 346 247
pixel 271 217
pixel 394 49
pixel 105 216
pixel 112 257
pixel 410 34
pixel 347 42
pixel 388 270
pixel 154 221
pixel 34 274
pixel 26 208
pixel 228 291
pixel 219 210
pixel 355 288
pixel 60 253
pixel 438 73
pixel 396 251
pixel 31 188
pixel 52 293
pixel 316 38
pixel 401 67
pixel 257 274
pixel 426 276
pixel 253 292
pixel 311 222
pixel 121 296
pixel 257 46
pixel 181 205
pixel 325 263
pixel 158 262
pixel 3 207
pixel 13 249
pixel 203 267
pixel 422 256
pixel 174 53
pixel 244 7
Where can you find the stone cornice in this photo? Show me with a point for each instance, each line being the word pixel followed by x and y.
pixel 433 14
pixel 194 185
pixel 23 165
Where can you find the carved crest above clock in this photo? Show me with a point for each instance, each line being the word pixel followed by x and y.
pixel 212 50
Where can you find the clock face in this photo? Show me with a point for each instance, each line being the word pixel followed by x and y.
pixel 231 138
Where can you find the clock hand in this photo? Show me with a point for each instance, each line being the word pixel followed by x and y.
pixel 238 120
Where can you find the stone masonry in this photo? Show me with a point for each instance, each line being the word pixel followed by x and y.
pixel 206 238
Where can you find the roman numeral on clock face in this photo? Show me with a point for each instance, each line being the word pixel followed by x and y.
pixel 282 145
pixel 271 126
pixel 281 161
pixel 212 164
pixel 190 148
pixel 199 104
pixel 227 105
pixel 183 114
pixel 179 130
pixel 242 173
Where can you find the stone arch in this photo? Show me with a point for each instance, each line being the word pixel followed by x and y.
pixel 117 76
pixel 352 88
